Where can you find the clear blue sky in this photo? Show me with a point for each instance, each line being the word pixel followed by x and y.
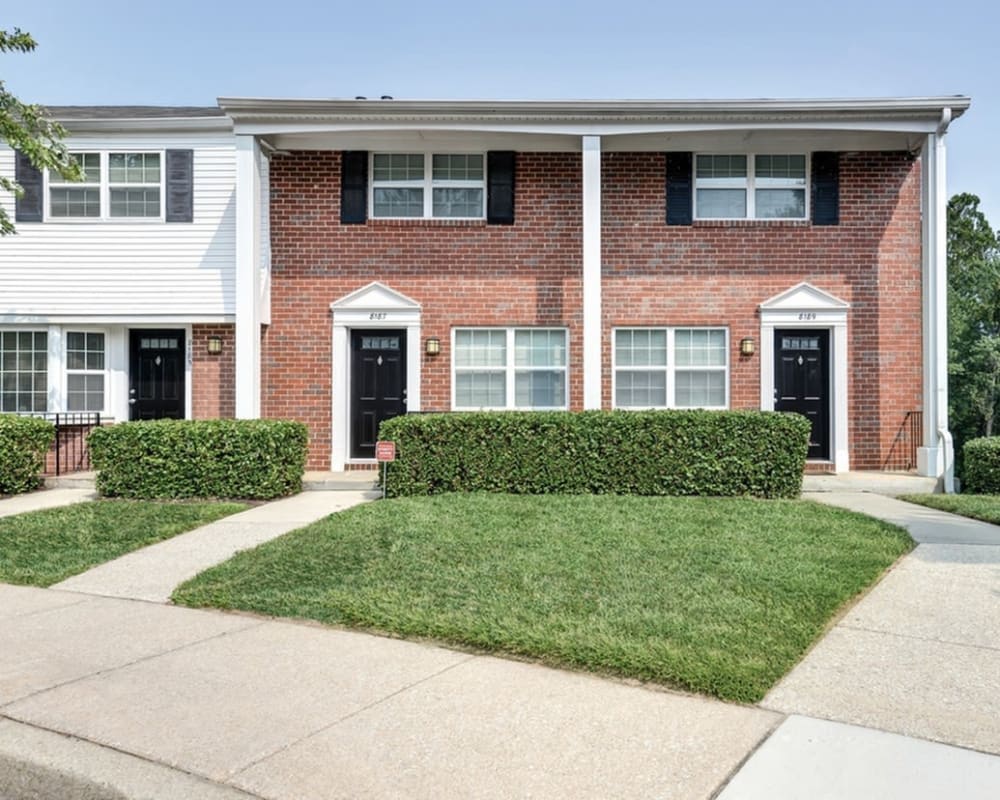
pixel 188 53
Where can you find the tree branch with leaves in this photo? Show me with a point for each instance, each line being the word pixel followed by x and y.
pixel 26 128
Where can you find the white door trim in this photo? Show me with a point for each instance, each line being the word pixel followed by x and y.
pixel 370 307
pixel 806 307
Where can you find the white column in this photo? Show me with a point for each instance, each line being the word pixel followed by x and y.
pixel 935 458
pixel 592 373
pixel 247 279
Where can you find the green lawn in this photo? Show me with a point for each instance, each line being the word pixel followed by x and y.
pixel 978 506
pixel 44 547
pixel 720 596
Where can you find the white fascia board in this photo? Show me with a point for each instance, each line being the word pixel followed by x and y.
pixel 275 108
pixel 578 129
pixel 155 125
pixel 132 320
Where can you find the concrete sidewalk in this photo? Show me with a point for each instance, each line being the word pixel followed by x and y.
pixel 42 499
pixel 286 710
pixel 920 654
pixel 153 572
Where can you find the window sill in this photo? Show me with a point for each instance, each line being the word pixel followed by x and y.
pixel 424 222
pixel 751 223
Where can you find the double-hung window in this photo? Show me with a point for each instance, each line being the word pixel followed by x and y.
pixel 671 368
pixel 509 368
pixel 428 185
pixel 116 185
pixel 84 371
pixel 24 371
pixel 750 186
pixel 77 199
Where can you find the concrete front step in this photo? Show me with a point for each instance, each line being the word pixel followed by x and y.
pixel 355 480
pixel 72 480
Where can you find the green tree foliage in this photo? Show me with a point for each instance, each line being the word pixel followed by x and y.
pixel 26 128
pixel 973 320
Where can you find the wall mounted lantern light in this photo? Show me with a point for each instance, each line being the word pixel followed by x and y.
pixel 746 347
pixel 432 346
pixel 214 345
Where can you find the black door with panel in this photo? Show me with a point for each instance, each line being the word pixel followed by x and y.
pixel 802 382
pixel 378 385
pixel 156 374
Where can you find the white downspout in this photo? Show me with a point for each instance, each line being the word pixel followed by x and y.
pixel 936 458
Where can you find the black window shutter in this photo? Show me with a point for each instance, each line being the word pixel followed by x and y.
pixel 500 187
pixel 826 188
pixel 180 186
pixel 29 206
pixel 354 188
pixel 679 188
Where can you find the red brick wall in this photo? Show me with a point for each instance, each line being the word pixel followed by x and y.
pixel 213 377
pixel 529 274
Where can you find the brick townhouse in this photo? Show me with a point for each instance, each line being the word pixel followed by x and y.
pixel 344 261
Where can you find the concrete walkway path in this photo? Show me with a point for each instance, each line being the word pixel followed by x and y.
pixel 42 499
pixel 920 654
pixel 153 572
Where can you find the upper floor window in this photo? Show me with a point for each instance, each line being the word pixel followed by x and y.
pixel 424 185
pixel 750 186
pixel 116 185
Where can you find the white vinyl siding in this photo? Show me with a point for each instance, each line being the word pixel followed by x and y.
pixel 509 368
pixel 129 267
pixel 671 368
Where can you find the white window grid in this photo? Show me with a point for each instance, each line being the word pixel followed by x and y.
pixel 750 185
pixel 86 371
pixel 510 370
pixel 19 363
pixel 53 180
pixel 671 368
pixel 427 183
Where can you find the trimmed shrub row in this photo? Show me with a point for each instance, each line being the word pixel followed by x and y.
pixel 715 453
pixel 256 459
pixel 982 465
pixel 24 441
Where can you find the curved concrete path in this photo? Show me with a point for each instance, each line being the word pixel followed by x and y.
pixel 153 572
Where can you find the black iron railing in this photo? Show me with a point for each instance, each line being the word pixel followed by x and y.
pixel 903 453
pixel 69 452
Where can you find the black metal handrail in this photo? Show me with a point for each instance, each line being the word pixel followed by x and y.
pixel 903 453
pixel 69 450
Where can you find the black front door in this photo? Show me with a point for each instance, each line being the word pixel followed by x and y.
pixel 378 385
pixel 802 382
pixel 156 374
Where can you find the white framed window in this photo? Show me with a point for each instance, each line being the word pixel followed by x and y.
pixel 509 368
pixel 85 371
pixel 671 368
pixel 76 200
pixel 24 371
pixel 117 185
pixel 748 186
pixel 428 185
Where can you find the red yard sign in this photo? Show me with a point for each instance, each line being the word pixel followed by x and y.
pixel 385 451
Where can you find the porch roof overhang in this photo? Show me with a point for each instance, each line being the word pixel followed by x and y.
pixel 624 125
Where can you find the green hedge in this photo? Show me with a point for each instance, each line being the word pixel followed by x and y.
pixel 717 453
pixel 254 459
pixel 982 465
pixel 24 441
